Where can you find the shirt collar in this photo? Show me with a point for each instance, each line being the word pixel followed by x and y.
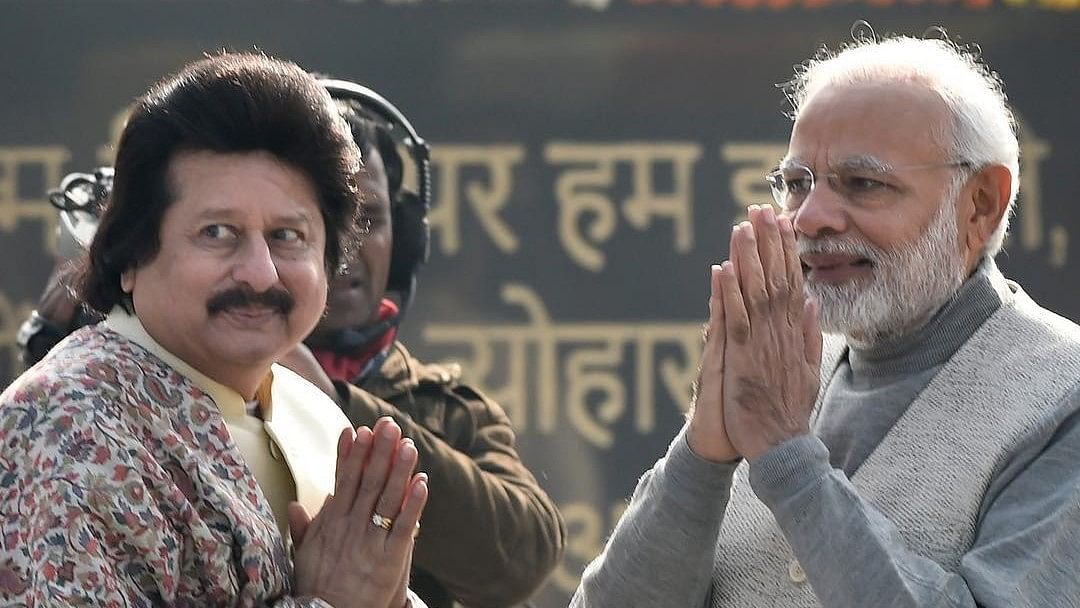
pixel 937 341
pixel 229 401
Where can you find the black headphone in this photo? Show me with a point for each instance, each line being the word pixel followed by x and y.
pixel 408 210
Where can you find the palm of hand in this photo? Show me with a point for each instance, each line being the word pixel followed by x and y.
pixel 772 340
pixel 343 556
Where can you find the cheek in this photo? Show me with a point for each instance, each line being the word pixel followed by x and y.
pixel 381 250
pixel 375 250
pixel 887 229
pixel 305 280
pixel 173 284
pixel 317 285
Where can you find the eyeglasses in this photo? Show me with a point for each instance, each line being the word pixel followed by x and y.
pixel 861 185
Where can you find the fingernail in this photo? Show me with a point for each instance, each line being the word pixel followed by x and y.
pixel 388 431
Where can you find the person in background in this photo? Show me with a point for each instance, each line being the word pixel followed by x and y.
pixel 491 533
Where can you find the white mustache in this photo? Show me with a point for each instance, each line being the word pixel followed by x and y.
pixel 838 245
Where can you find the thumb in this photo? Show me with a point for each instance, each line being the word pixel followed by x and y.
pixel 298 522
pixel 712 354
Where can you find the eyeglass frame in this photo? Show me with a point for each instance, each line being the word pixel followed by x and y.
pixel 861 163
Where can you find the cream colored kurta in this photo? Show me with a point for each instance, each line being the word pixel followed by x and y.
pixel 277 452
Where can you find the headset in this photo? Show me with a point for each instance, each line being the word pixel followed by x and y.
pixel 411 245
pixel 411 231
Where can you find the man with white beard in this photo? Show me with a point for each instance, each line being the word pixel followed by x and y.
pixel 910 282
pixel 924 451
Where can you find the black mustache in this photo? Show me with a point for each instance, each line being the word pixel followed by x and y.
pixel 276 299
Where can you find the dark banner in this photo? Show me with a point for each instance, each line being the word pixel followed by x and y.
pixel 589 158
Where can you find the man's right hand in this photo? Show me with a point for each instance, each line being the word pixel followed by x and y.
pixel 707 434
pixel 342 556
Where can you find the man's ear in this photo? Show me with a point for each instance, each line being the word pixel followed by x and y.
pixel 988 192
pixel 127 280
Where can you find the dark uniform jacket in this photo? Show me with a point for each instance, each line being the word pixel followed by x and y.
pixel 490 533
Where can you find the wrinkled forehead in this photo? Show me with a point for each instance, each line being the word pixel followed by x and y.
pixel 212 185
pixel 888 123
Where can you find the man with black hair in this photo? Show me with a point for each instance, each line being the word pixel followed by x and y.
pixel 159 457
pixel 491 533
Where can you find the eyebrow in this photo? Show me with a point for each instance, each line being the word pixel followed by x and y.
pixel 858 162
pixel 789 163
pixel 862 162
pixel 225 213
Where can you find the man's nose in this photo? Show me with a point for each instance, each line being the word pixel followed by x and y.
pixel 255 266
pixel 821 213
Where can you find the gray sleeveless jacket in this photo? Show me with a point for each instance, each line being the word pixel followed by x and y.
pixel 929 474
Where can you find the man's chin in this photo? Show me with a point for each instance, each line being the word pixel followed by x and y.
pixel 841 308
pixel 844 328
pixel 851 284
pixel 253 355
pixel 865 325
pixel 244 340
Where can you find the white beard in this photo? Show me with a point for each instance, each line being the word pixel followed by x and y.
pixel 909 284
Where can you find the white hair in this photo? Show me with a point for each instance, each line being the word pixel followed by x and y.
pixel 983 126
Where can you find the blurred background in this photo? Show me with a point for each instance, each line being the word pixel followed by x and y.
pixel 589 157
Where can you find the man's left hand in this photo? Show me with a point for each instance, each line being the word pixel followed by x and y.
pixel 346 556
pixel 773 351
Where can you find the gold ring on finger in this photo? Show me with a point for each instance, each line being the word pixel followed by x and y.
pixel 382 521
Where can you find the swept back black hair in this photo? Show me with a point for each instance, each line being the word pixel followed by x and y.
pixel 228 103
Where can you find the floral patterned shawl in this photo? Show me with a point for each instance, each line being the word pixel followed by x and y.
pixel 120 486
